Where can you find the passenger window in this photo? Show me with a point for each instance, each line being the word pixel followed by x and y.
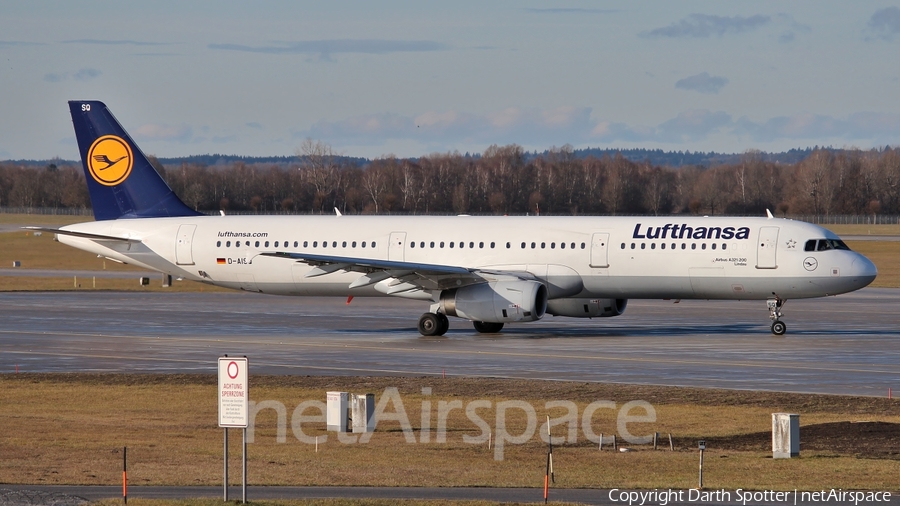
pixel 363 244
pixel 562 245
pixel 412 244
pixel 632 245
pixel 422 244
pixel 324 244
pixel 673 245
pixel 508 245
pixel 481 245
pixel 315 244
pixel 471 244
pixel 582 245
pixel 227 244
pixel 218 244
pixel 643 245
pixel 305 244
pixel 267 244
pixel 684 245
pixel 693 245
pixel 442 244
pixel 713 245
pixel 276 244
pixel 653 245
pixel 573 245
pixel 334 244
pixel 373 244
pixel 543 245
pixel 432 244
pixel 353 244
pixel 662 246
pixel 724 245
pixel 344 244
pixel 492 245
pixel 533 245
pixel 523 245
pixel 703 246
pixel 552 245
pixel 810 245
pixel 451 244
pixel 296 244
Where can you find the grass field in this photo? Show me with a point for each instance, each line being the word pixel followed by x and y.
pixel 69 429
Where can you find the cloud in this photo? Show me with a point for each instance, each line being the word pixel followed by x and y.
pixel 115 42
pixel 706 25
pixel 325 48
pixel 511 125
pixel 886 23
pixel 254 124
pixel 874 126
pixel 155 132
pixel 85 74
pixel 702 82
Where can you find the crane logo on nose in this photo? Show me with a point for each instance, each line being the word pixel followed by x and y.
pixel 110 160
pixel 810 263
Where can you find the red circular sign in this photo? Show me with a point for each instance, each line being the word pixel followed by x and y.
pixel 228 370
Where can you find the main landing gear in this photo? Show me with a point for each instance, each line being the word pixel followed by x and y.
pixel 433 324
pixel 775 305
pixel 487 327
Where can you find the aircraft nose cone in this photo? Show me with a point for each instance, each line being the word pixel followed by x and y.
pixel 863 270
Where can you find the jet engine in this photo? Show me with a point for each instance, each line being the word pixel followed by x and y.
pixel 587 308
pixel 497 301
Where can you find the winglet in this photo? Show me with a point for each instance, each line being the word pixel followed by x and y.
pixel 769 214
pixel 336 212
pixel 121 181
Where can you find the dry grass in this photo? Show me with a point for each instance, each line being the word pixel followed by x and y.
pixel 864 229
pixel 70 429
pixel 42 252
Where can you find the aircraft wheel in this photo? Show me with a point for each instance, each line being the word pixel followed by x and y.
pixel 429 324
pixel 487 327
pixel 444 324
pixel 779 328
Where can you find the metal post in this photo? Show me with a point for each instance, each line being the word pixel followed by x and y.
pixel 225 491
pixel 701 470
pixel 244 470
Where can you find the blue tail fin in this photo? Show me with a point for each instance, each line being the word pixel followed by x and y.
pixel 120 179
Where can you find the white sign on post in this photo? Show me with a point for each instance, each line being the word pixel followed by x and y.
pixel 234 395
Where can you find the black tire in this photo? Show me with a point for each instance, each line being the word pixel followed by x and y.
pixel 429 324
pixel 487 327
pixel 779 328
pixel 445 324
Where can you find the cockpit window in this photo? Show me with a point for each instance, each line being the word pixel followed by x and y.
pixel 825 245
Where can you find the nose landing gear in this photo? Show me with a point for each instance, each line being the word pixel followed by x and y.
pixel 775 305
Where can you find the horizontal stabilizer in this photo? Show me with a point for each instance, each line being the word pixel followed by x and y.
pixel 96 237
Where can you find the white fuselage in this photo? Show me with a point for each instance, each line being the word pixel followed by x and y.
pixel 583 257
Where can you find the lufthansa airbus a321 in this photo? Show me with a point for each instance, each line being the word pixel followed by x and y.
pixel 489 270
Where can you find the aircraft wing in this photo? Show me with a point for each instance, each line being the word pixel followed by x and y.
pixel 391 277
pixel 96 237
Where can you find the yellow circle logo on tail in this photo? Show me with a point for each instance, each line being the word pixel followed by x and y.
pixel 110 160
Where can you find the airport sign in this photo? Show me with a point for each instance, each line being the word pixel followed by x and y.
pixel 234 394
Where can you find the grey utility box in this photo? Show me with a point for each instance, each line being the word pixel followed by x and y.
pixel 362 409
pixel 337 411
pixel 785 435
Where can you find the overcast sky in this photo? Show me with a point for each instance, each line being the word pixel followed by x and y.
pixel 413 78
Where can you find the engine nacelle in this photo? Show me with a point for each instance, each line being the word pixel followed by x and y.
pixel 497 301
pixel 587 308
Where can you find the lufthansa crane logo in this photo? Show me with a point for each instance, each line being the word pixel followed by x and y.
pixel 110 160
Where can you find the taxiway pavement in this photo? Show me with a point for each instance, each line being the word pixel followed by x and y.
pixel 840 345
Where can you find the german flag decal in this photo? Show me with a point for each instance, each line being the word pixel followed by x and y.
pixel 220 261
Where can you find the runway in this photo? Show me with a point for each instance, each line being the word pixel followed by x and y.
pixel 842 345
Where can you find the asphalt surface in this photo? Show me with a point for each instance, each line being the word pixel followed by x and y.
pixel 520 495
pixel 842 345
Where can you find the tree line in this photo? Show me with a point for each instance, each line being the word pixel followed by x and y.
pixel 502 180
